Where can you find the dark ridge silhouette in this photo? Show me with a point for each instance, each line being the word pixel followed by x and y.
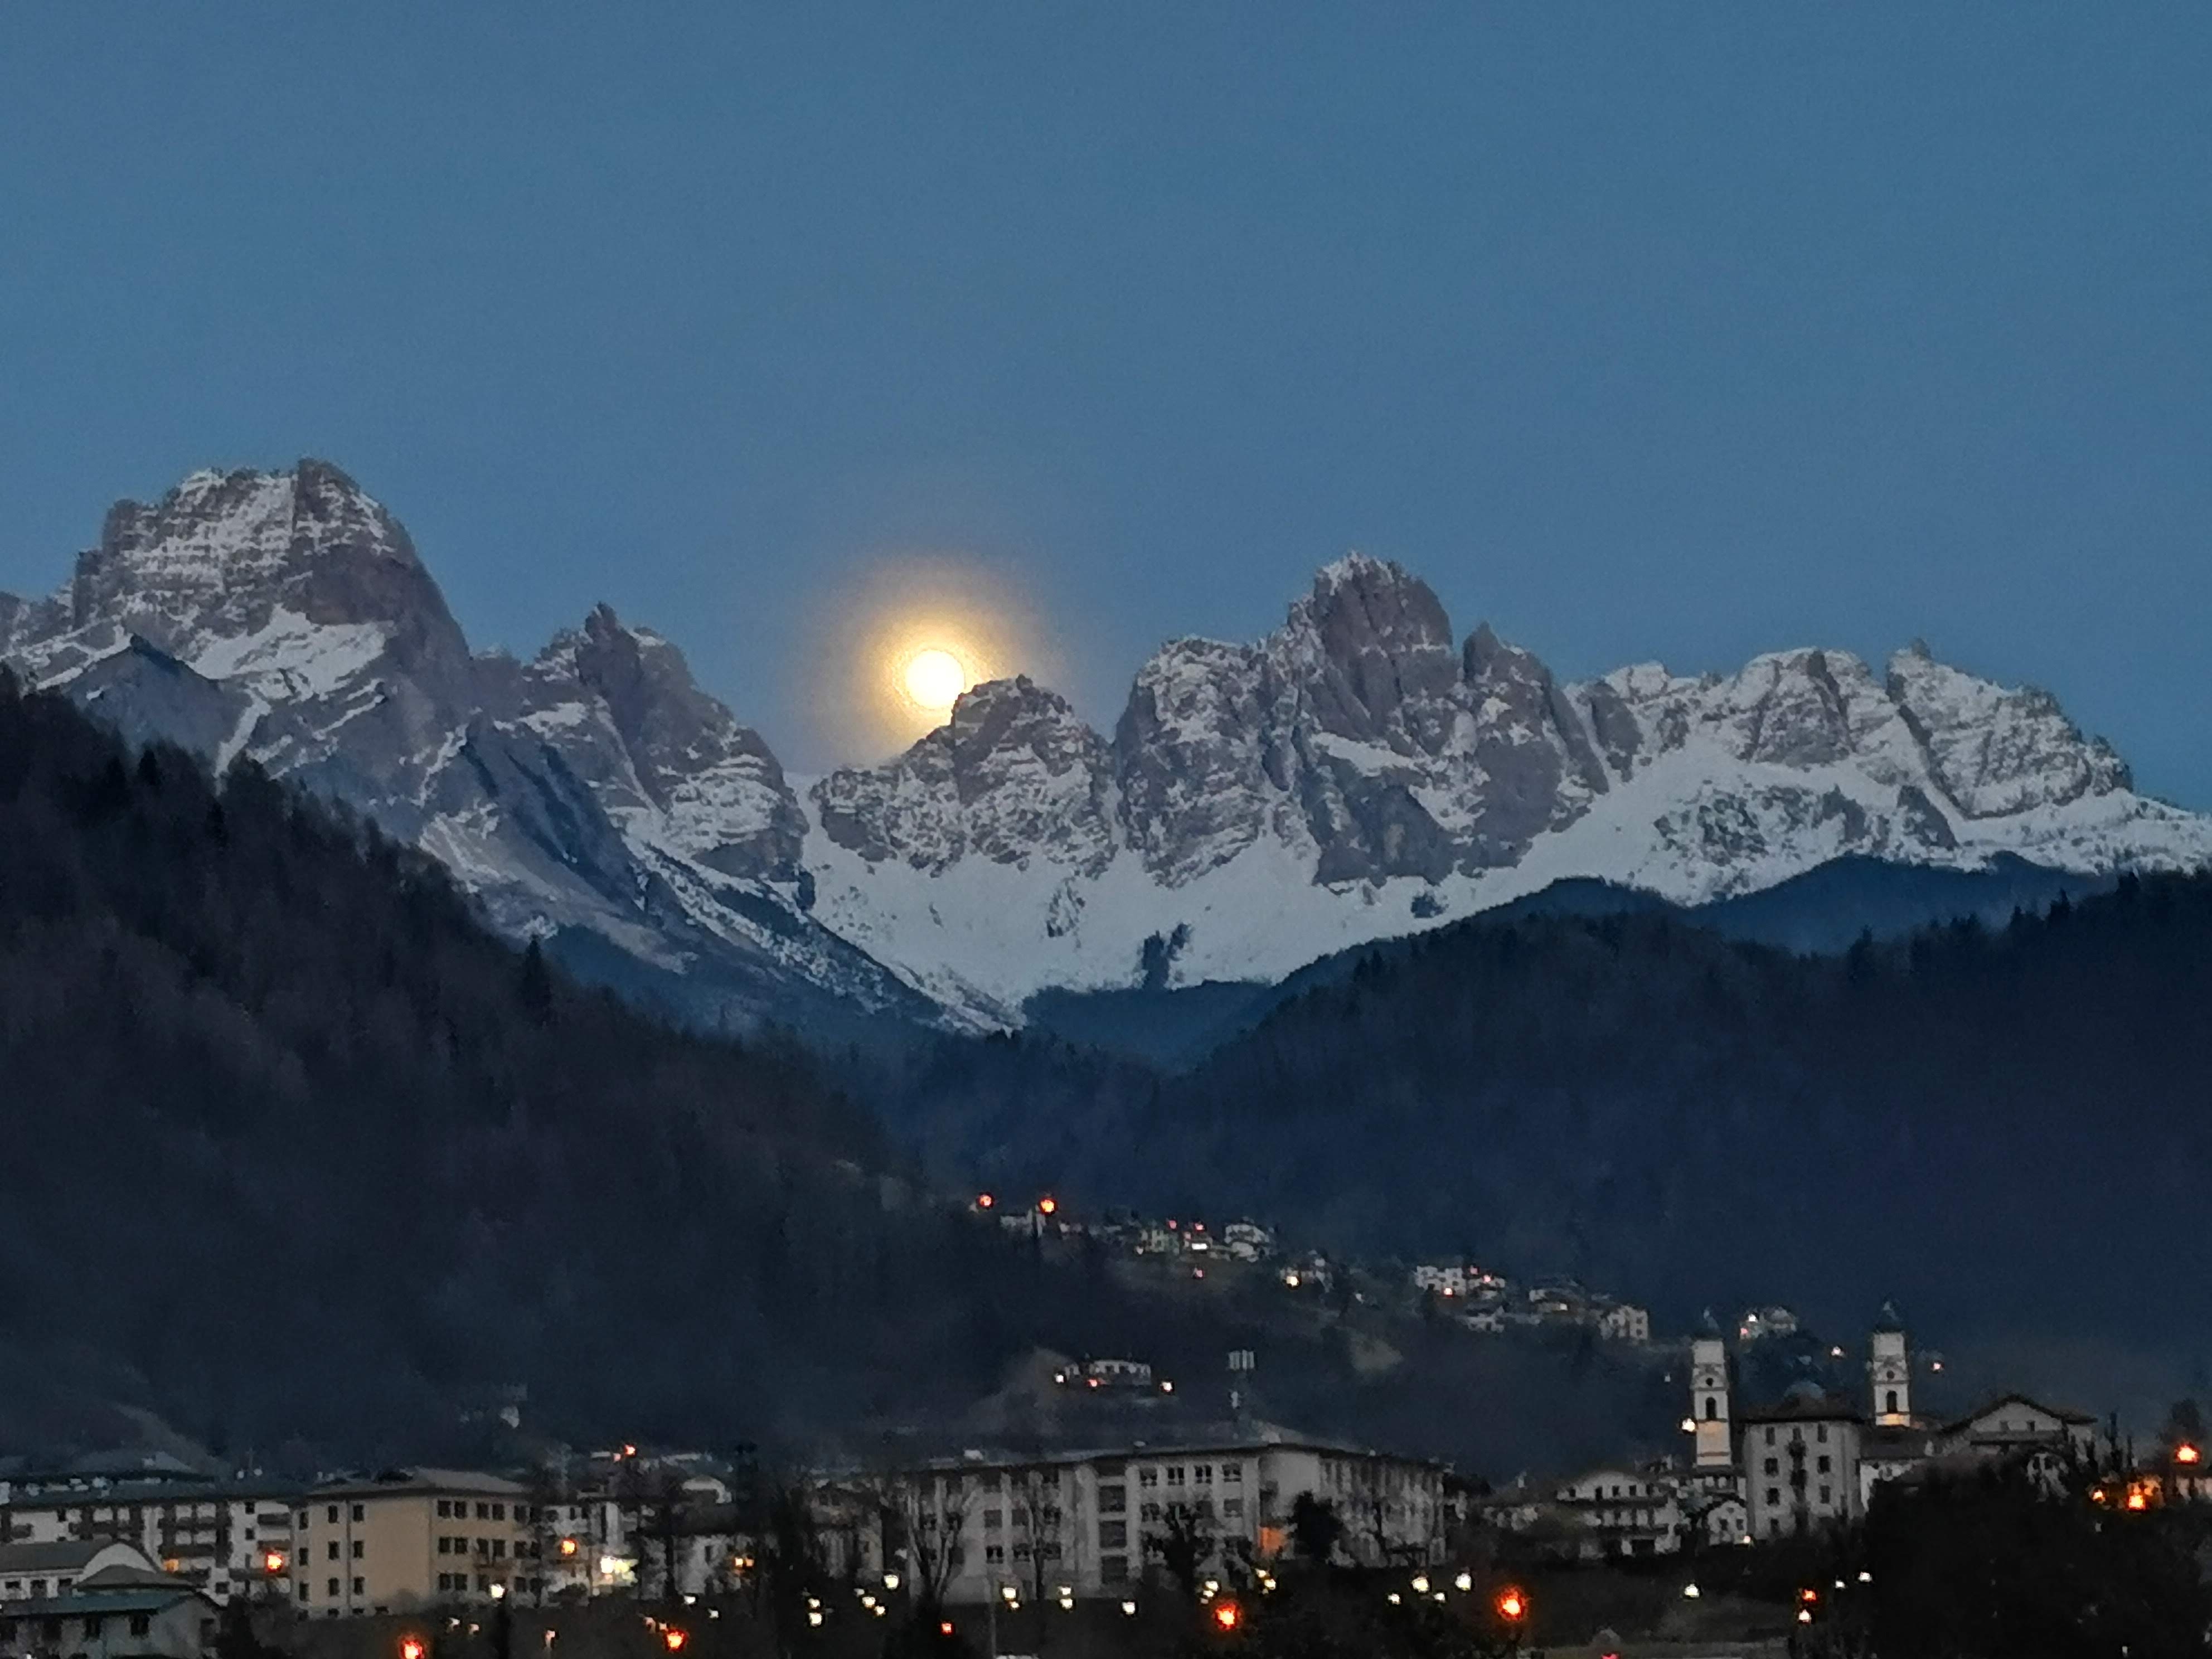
pixel 2008 1128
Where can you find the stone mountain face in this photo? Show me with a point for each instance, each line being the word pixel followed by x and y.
pixel 1356 774
pixel 594 793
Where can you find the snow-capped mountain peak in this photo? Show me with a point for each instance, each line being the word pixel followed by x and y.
pixel 1356 774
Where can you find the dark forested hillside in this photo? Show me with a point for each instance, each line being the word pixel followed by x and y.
pixel 291 1148
pixel 2010 1128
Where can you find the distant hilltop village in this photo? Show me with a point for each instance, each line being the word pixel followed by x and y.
pixel 1133 1494
pixel 1790 1466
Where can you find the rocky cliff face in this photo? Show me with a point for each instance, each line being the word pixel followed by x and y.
pixel 596 793
pixel 1356 774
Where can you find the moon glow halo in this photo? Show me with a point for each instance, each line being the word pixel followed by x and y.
pixel 933 678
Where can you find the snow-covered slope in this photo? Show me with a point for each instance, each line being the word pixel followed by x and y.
pixel 284 617
pixel 1354 775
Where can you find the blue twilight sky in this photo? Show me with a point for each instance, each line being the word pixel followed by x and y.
pixel 1644 332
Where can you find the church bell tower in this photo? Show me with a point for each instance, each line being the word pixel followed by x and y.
pixel 1889 1374
pixel 1708 1403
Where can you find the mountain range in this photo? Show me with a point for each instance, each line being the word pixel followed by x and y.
pixel 1357 775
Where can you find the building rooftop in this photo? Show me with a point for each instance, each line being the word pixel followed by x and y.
pixel 1805 1402
pixel 71 1492
pixel 2074 1419
pixel 1172 1441
pixel 393 1482
pixel 75 1606
pixel 62 1555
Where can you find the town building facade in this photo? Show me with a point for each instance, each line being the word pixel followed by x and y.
pixel 411 1539
pixel 1083 1520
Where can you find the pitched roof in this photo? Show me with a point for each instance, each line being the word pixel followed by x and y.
pixel 122 1576
pixel 2072 1419
pixel 65 1606
pixel 62 1555
pixel 1805 1402
pixel 392 1482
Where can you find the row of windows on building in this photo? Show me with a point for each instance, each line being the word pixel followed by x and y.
pixel 1797 1435
pixel 131 1514
pixel 1774 1465
pixel 449 1583
pixel 94 1626
pixel 1049 1517
pixel 1774 1497
pixel 1173 1474
pixel 449 1509
pixel 1201 1474
pixel 1112 1569
pixel 457 1509
pixel 492 1548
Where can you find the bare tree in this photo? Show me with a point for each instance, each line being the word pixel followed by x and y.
pixel 1370 1503
pixel 1183 1543
pixel 1033 1494
pixel 924 1517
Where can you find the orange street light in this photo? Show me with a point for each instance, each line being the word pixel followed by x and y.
pixel 984 1201
pixel 2186 1453
pixel 1047 1205
pixel 1512 1606
pixel 568 1546
pixel 1227 1615
pixel 411 1647
pixel 673 1639
pixel 272 1561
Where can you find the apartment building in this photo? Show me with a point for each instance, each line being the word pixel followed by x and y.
pixel 223 1538
pixel 413 1538
pixel 1081 1520
pixel 1801 1462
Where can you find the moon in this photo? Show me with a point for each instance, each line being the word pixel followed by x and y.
pixel 934 679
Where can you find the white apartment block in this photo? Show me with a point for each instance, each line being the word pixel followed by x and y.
pixel 1081 1520
pixel 223 1538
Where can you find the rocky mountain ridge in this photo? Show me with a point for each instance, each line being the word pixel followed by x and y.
pixel 593 794
pixel 1356 774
